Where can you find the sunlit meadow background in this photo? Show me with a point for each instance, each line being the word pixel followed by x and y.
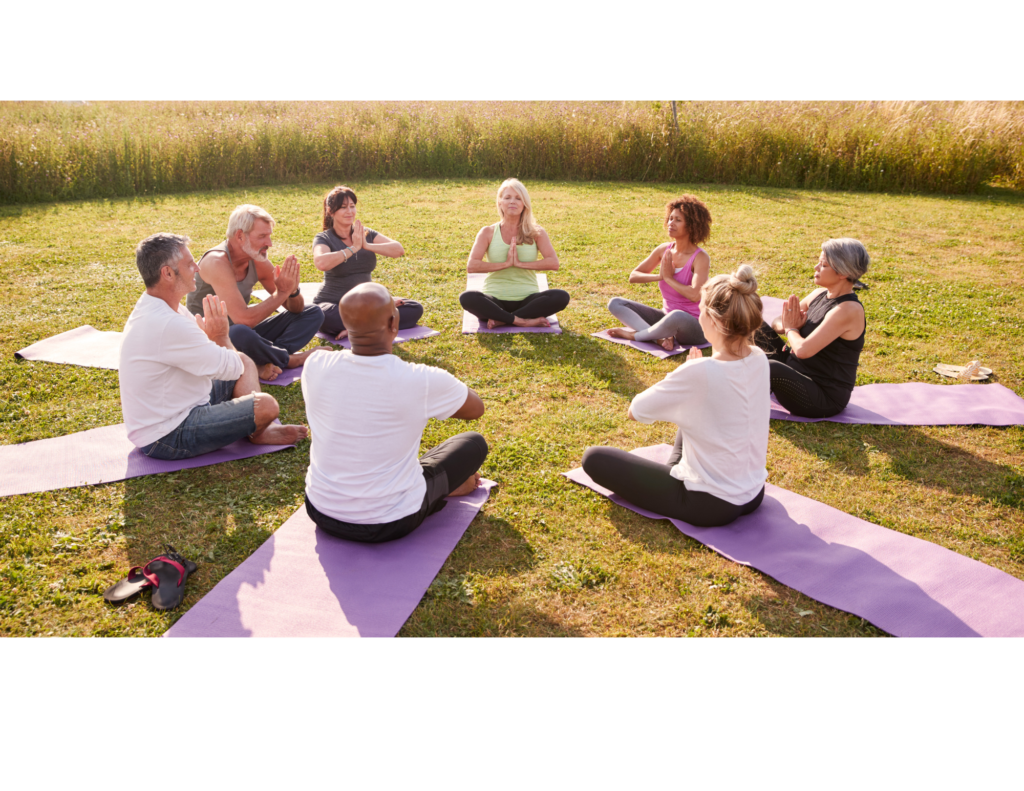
pixel 60 151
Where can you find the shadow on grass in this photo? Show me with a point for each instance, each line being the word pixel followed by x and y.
pixel 492 546
pixel 908 453
pixel 216 516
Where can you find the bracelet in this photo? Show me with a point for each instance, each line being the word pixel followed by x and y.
pixel 297 292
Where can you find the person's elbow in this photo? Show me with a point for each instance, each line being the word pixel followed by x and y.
pixel 801 352
pixel 320 262
pixel 472 409
pixel 399 251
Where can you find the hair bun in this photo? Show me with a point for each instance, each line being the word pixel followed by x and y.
pixel 743 280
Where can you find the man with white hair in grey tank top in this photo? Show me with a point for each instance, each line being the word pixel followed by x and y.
pixel 230 270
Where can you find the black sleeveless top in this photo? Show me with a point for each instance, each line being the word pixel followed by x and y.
pixel 834 368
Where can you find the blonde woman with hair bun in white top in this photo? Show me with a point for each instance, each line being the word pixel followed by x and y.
pixel 510 294
pixel 720 404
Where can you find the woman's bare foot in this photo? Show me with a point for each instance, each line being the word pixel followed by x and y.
pixel 341 335
pixel 268 372
pixel 541 322
pixel 276 434
pixel 295 360
pixel 668 344
pixel 491 324
pixel 468 486
pixel 622 332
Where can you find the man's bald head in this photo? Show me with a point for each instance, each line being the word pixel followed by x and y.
pixel 366 311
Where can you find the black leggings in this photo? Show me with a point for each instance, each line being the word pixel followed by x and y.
pixel 445 468
pixel 409 314
pixel 543 303
pixel 650 485
pixel 797 392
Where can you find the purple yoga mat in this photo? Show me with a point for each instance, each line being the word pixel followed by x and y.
pixel 471 324
pixel 286 377
pixel 305 583
pixel 771 308
pixel 100 455
pixel 921 404
pixel 412 334
pixel 906 586
pixel 646 346
pixel 85 346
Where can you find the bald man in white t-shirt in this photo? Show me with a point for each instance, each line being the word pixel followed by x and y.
pixel 367 410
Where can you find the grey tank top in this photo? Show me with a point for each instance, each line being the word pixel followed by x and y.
pixel 194 300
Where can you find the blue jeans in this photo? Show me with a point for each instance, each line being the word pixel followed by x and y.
pixel 209 427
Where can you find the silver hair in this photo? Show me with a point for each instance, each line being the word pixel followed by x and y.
pixel 848 257
pixel 245 216
pixel 157 251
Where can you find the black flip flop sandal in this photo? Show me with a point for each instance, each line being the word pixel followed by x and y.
pixel 168 577
pixel 123 590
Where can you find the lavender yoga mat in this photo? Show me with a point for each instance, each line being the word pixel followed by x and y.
pixel 921 404
pixel 305 583
pixel 100 455
pixel 85 346
pixel 646 346
pixel 471 324
pixel 906 586
pixel 412 334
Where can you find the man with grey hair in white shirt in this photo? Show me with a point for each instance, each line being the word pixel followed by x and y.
pixel 185 390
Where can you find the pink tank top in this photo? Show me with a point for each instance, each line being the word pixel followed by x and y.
pixel 672 299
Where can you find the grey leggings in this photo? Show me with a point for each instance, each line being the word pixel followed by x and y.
pixel 652 324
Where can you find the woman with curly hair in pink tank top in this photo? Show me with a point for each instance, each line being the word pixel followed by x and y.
pixel 680 268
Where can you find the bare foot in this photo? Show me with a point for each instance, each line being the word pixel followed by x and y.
pixel 295 360
pixel 668 344
pixel 276 434
pixel 541 322
pixel 268 372
pixel 341 335
pixel 468 486
pixel 491 324
pixel 622 332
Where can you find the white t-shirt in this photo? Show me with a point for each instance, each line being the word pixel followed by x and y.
pixel 167 369
pixel 366 415
pixel 723 409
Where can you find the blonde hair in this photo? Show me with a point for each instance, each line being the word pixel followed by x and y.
pixel 528 227
pixel 244 217
pixel 848 257
pixel 731 301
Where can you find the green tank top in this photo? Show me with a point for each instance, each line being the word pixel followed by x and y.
pixel 511 284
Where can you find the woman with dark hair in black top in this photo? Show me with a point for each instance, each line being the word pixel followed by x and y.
pixel 346 253
pixel 814 370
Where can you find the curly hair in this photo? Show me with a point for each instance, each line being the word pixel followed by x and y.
pixel 696 215
pixel 333 201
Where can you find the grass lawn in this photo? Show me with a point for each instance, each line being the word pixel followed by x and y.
pixel 545 557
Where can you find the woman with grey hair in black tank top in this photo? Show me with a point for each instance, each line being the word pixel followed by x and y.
pixel 814 370
pixel 346 253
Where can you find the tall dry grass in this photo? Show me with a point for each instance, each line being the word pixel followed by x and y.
pixel 57 151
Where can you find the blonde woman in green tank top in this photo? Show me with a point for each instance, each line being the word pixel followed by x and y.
pixel 510 292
